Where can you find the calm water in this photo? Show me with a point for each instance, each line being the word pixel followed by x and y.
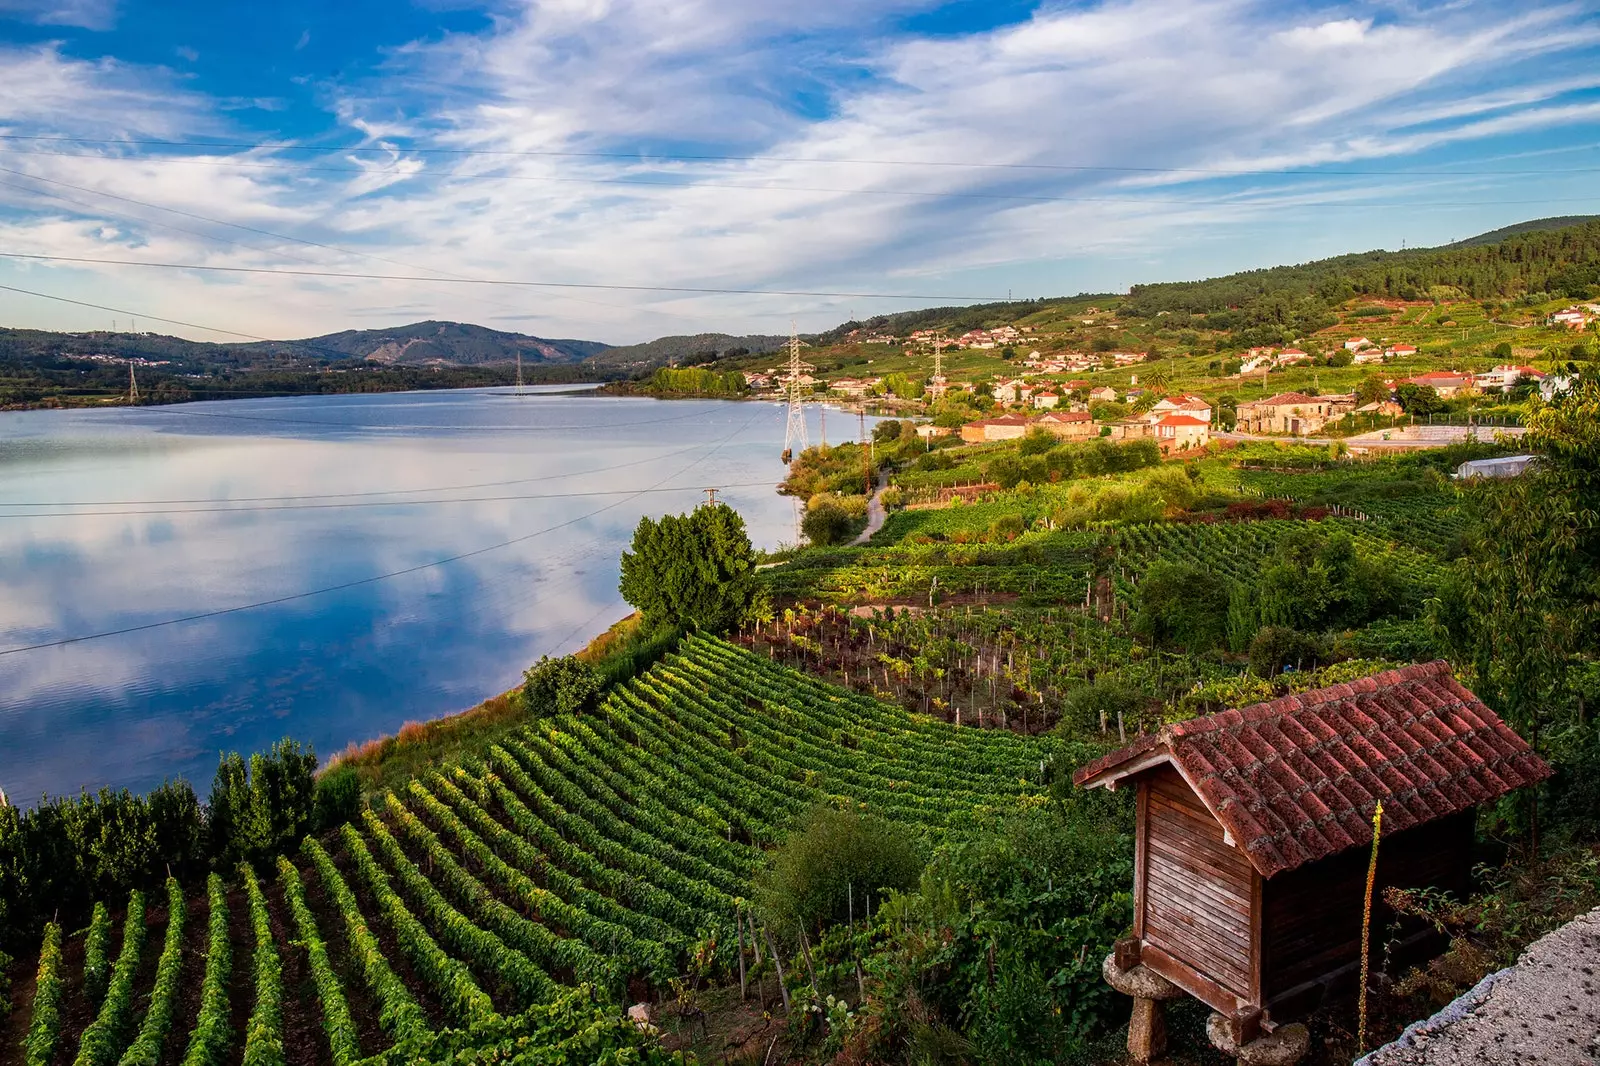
pixel 118 519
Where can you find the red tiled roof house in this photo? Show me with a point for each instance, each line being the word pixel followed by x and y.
pixel 1254 829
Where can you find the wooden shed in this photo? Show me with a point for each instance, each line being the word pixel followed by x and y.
pixel 1254 830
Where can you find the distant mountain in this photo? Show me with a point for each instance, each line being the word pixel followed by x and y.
pixel 433 344
pixel 699 348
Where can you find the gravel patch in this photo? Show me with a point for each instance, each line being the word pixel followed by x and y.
pixel 1544 1011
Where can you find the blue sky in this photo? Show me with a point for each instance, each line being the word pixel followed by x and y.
pixel 967 149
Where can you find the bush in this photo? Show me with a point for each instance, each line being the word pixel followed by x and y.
pixel 1184 605
pixel 1279 648
pixel 560 686
pixel 338 798
pixel 833 856
pixel 825 524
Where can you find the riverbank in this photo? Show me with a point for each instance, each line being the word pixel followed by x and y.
pixel 619 654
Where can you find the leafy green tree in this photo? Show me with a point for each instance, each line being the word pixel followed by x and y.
pixel 887 430
pixel 338 798
pixel 1371 389
pixel 825 524
pixel 1418 399
pixel 693 571
pixel 1184 605
pixel 567 685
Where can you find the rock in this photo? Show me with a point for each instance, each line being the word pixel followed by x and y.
pixel 1140 982
pixel 639 1015
pixel 1284 1046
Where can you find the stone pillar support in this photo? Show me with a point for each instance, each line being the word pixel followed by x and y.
pixel 1284 1046
pixel 1147 1029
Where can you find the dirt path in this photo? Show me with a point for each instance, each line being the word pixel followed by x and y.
pixel 876 515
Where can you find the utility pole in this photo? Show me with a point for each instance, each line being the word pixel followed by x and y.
pixel 711 496
pixel 795 433
pixel 866 454
pixel 133 385
pixel 822 413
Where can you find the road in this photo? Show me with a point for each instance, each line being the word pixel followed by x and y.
pixel 876 515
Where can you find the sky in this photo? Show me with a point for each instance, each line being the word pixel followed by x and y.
pixel 832 158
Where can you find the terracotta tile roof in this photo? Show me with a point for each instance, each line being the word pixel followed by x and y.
pixel 1296 779
pixel 1283 399
pixel 1182 420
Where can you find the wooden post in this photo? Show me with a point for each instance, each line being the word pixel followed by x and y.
pixel 777 964
pixel 744 987
pixel 805 946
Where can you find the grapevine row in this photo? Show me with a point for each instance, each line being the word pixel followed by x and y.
pixel 146 1047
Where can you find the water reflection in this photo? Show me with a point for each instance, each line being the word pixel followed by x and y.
pixel 111 520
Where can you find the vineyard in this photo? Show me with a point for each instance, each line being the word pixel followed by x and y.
pixel 516 903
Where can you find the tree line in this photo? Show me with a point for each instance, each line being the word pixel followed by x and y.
pixel 59 858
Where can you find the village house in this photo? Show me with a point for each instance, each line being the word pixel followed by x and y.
pixel 1293 413
pixel 1400 350
pixel 1188 404
pixel 1104 392
pixel 1445 383
pixel 1253 363
pixel 1128 429
pixel 1370 355
pixel 857 387
pixel 1005 427
pixel 1046 399
pixel 1069 425
pixel 1179 433
pixel 1014 391
pixel 1355 344
pixel 1129 358
pixel 1505 378
pixel 1383 408
pixel 1570 317
pixel 977 338
pixel 928 431
pixel 1292 357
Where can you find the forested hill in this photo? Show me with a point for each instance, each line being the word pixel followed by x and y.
pixel 1532 263
pixel 694 348
pixel 436 343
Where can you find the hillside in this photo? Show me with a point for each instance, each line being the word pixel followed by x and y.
pixel 698 348
pixel 434 343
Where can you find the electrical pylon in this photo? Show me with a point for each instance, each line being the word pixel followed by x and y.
pixel 795 433
pixel 133 385
pixel 519 373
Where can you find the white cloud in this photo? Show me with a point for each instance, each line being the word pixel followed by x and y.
pixel 88 14
pixel 814 92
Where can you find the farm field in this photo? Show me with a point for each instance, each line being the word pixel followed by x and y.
pixel 585 864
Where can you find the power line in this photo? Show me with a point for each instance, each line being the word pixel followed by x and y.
pixel 188 412
pixel 453 280
pixel 637 157
pixel 248 229
pixel 367 503
pixel 376 577
pixel 347 495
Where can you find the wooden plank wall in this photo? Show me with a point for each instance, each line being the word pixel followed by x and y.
pixel 1311 919
pixel 1198 890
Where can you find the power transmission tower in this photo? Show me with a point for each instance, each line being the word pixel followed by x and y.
pixel 711 495
pixel 133 385
pixel 795 433
pixel 519 373
pixel 866 456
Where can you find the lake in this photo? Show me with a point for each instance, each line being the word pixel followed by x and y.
pixel 381 559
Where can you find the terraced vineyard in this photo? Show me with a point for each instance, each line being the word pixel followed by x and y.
pixel 514 904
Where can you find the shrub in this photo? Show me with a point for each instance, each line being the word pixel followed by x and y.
pixel 338 798
pixel 1279 648
pixel 560 686
pixel 833 856
pixel 825 524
